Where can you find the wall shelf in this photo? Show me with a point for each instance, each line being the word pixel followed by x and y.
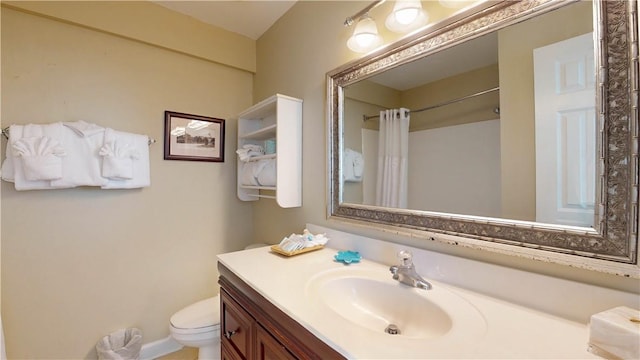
pixel 278 118
pixel 263 157
pixel 265 133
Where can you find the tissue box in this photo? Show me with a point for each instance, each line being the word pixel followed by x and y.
pixel 615 333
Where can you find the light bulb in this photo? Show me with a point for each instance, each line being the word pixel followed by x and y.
pixel 407 15
pixel 365 39
pixel 365 36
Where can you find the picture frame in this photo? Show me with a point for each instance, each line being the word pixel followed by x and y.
pixel 193 137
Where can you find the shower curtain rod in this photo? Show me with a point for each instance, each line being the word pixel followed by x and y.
pixel 367 117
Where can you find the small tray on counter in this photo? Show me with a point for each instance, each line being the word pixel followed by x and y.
pixel 277 249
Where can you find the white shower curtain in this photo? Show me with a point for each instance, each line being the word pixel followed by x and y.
pixel 393 158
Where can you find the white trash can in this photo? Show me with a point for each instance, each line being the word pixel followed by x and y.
pixel 124 344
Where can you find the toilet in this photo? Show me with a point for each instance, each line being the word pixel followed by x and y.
pixel 198 325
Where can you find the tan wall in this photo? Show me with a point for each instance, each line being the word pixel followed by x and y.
pixel 294 57
pixel 516 44
pixel 472 110
pixel 78 264
pixel 153 24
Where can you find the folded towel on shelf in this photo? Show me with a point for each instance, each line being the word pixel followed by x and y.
pixel 353 165
pixel 41 157
pixel 266 175
pixel 118 155
pixel 248 151
pixel 246 174
pixel 137 150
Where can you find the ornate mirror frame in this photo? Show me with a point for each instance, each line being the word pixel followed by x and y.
pixel 610 247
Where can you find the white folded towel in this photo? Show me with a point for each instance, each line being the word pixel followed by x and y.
pixel 248 151
pixel 84 129
pixel 117 156
pixel 41 157
pixel 19 174
pixel 258 173
pixel 82 166
pixel 353 166
pixel 137 151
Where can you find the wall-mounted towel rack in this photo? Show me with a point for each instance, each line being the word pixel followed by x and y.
pixel 496 110
pixel 5 133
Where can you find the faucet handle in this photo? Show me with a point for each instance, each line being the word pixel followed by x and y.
pixel 405 257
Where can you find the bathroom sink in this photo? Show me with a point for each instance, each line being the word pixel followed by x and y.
pixel 374 301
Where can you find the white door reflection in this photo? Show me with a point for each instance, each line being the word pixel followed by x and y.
pixel 565 132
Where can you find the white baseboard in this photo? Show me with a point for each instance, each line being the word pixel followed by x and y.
pixel 159 348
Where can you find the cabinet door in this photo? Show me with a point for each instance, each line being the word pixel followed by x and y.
pixel 268 348
pixel 235 326
pixel 229 353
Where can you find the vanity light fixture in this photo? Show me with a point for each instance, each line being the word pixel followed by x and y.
pixel 406 15
pixel 365 36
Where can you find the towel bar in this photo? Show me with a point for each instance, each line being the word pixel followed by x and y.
pixel 5 133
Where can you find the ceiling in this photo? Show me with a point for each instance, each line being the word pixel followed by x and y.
pixel 250 18
pixel 464 57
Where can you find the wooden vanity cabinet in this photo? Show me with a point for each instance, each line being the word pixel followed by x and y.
pixel 253 328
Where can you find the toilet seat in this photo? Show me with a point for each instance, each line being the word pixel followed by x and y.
pixel 197 331
pixel 198 318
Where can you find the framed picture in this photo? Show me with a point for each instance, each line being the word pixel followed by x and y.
pixel 193 137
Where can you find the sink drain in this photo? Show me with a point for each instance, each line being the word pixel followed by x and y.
pixel 392 329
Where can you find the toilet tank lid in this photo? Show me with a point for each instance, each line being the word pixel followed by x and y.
pixel 204 313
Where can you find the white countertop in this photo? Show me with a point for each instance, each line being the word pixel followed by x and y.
pixel 512 331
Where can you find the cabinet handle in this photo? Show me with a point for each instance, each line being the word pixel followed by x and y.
pixel 229 334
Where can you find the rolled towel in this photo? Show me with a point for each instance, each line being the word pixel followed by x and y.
pixel 41 157
pixel 267 172
pixel 246 174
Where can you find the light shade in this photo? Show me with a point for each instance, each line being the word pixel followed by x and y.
pixel 407 15
pixel 365 36
pixel 453 4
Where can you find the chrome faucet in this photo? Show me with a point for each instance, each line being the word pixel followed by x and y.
pixel 406 272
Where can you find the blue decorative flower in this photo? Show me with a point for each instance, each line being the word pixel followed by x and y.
pixel 348 257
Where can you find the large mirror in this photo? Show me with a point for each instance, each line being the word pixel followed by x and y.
pixel 517 125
